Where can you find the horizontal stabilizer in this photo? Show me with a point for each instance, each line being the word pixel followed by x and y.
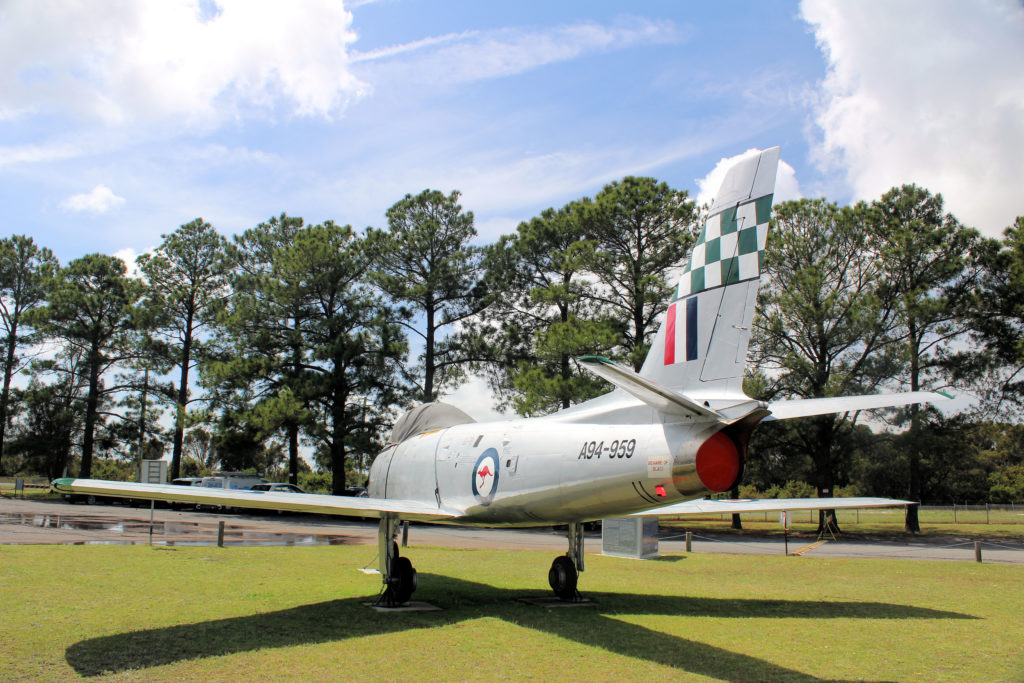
pixel 653 394
pixel 784 410
pixel 703 506
pixel 309 503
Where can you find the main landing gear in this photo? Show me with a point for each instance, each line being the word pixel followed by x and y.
pixel 564 572
pixel 400 578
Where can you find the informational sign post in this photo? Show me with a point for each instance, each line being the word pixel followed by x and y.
pixel 784 521
pixel 630 537
pixel 153 472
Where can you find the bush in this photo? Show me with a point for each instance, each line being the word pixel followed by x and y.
pixel 316 482
pixel 114 470
pixel 1007 485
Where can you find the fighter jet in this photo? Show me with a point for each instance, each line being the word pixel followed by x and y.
pixel 655 445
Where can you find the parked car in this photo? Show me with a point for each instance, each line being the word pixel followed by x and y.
pixel 239 481
pixel 184 481
pixel 232 480
pixel 276 488
pixel 91 499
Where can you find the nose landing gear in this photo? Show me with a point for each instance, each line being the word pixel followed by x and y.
pixel 400 578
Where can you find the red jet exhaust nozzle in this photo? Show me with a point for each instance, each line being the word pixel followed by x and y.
pixel 718 463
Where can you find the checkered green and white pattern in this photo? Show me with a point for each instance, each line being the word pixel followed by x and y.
pixel 730 248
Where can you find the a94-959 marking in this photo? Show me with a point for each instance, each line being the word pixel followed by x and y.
pixel 623 448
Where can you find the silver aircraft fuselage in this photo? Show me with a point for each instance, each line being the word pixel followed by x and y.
pixel 608 457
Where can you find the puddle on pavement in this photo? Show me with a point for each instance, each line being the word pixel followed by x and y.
pixel 166 533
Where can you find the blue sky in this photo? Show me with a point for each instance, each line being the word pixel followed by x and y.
pixel 121 120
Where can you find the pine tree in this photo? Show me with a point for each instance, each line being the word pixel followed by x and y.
pixel 24 269
pixel 188 284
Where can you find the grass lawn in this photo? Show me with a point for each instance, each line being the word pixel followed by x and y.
pixel 140 613
pixel 31 492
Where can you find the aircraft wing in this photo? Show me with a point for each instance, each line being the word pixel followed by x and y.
pixel 703 506
pixel 292 502
pixel 784 410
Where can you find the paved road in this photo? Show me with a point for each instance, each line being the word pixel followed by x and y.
pixel 56 522
pixel 924 548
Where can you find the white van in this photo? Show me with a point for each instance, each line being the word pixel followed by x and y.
pixel 239 481
pixel 232 480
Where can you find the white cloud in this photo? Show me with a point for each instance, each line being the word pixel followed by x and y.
pixel 491 227
pixel 128 256
pixel 786 185
pixel 99 200
pixel 477 55
pixel 158 60
pixel 498 185
pixel 220 155
pixel 394 50
pixel 476 399
pixel 930 93
pixel 33 154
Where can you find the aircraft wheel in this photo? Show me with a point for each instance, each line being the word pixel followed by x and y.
pixel 404 580
pixel 562 577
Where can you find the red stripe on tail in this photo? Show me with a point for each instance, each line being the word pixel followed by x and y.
pixel 670 336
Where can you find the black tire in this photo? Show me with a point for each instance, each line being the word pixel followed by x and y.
pixel 404 580
pixel 90 500
pixel 562 577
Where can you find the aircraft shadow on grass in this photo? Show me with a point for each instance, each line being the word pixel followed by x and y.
pixel 463 600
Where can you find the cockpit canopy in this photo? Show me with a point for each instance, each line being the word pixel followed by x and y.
pixel 427 418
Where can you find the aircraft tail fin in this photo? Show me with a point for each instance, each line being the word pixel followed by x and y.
pixel 701 348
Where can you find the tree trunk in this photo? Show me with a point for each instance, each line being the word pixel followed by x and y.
pixel 828 523
pixel 338 431
pixel 293 452
pixel 91 408
pixel 60 467
pixel 292 426
pixel 5 396
pixel 638 334
pixel 142 417
pixel 911 523
pixel 825 482
pixel 182 402
pixel 564 368
pixel 428 356
pixel 734 493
